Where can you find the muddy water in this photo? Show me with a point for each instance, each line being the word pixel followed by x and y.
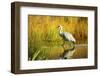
pixel 62 52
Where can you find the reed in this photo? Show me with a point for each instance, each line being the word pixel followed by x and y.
pixel 42 32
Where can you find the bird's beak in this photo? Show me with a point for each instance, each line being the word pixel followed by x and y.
pixel 57 26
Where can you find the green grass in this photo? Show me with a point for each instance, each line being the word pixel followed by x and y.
pixel 44 42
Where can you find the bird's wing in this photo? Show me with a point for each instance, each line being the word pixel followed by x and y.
pixel 69 37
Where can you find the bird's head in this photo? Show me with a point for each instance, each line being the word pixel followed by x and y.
pixel 59 27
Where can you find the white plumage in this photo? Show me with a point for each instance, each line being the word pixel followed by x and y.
pixel 66 35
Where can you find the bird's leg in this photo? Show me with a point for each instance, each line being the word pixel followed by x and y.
pixel 72 45
pixel 63 42
pixel 69 44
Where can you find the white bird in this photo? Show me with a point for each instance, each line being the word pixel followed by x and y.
pixel 66 35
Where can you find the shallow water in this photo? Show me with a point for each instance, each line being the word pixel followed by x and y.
pixel 53 51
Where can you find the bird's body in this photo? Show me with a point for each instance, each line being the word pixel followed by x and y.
pixel 66 35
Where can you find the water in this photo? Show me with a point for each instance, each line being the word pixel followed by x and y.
pixel 79 51
pixel 54 51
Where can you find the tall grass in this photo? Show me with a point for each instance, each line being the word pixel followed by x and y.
pixel 42 32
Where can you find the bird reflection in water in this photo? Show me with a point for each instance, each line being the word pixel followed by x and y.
pixel 68 53
pixel 66 37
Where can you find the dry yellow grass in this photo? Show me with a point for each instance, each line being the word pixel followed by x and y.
pixel 42 31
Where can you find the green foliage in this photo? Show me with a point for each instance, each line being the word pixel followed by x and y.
pixel 42 32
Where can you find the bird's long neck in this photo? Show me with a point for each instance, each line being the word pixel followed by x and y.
pixel 60 31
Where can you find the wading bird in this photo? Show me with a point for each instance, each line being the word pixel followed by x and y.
pixel 66 36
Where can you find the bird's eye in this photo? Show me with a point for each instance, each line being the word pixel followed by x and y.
pixel 58 27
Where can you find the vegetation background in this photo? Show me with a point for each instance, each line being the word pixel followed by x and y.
pixel 44 41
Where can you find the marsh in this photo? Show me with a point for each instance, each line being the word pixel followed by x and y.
pixel 53 51
pixel 44 42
